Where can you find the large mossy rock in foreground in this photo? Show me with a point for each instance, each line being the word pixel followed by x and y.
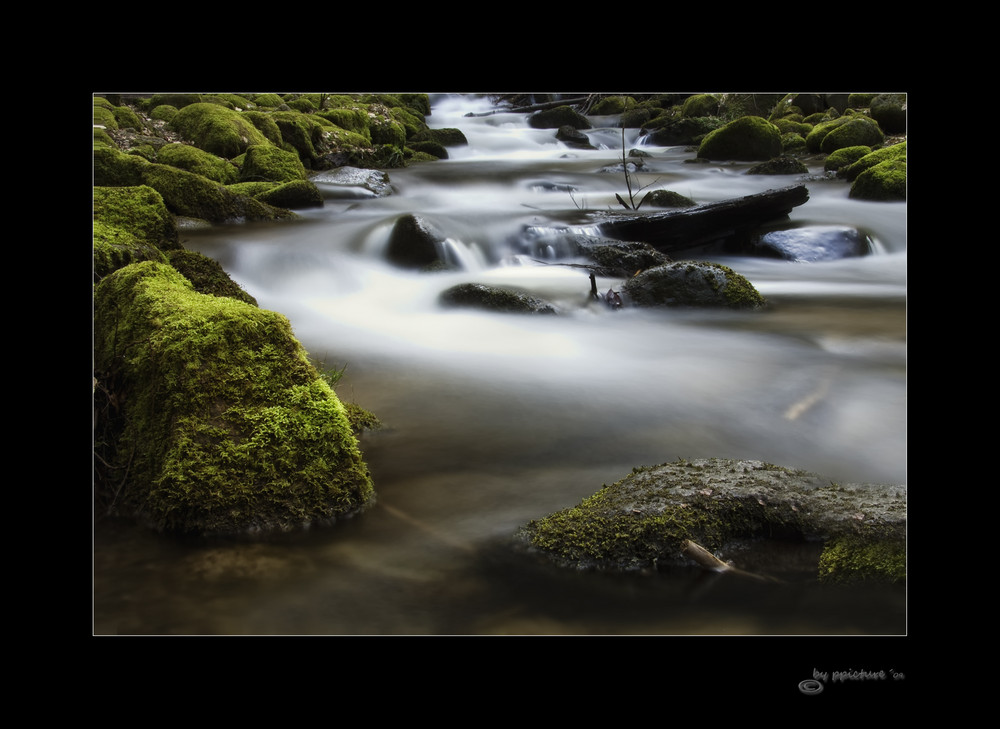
pixel 644 520
pixel 215 422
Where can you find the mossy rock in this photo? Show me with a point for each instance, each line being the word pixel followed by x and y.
pixel 163 112
pixel 668 199
pixel 783 165
pixel 447 137
pixel 885 182
pixel 855 131
pixel 560 116
pixel 192 159
pixel 140 211
pixel 115 247
pixel 103 139
pixel 127 118
pixel 669 131
pixel 265 124
pixel 429 147
pixel 104 117
pixel 693 284
pixel 875 157
pixel 619 259
pixel 114 168
pixel 300 132
pixel 225 427
pixel 844 157
pixel 748 138
pixel 294 195
pixel 889 110
pixel 700 105
pixel 217 129
pixel 193 196
pixel 493 298
pixel 610 105
pixel 265 163
pixel 353 119
pixel 207 276
pixel 644 520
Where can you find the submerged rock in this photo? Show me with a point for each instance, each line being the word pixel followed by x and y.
pixel 645 520
pixel 814 243
pixel 494 298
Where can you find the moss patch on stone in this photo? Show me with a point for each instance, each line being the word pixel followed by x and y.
pixel 643 520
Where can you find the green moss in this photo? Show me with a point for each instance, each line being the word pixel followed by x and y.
pixel 270 164
pixel 114 168
pixel 700 105
pixel 104 117
pixel 748 138
pixel 844 157
pixel 103 139
pixel 198 161
pixel 855 131
pixel 884 154
pixel 227 428
pixel 127 118
pixel 115 247
pixel 856 558
pixel 885 181
pixel 138 210
pixel 190 195
pixel 294 195
pixel 207 276
pixel 265 123
pixel 217 129
pixel 163 112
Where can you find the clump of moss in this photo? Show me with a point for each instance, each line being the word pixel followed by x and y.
pixel 224 426
pixel 138 210
pixel 270 164
pixel 207 276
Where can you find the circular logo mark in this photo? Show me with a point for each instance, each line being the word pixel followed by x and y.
pixel 810 686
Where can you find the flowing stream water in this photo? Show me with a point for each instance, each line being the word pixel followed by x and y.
pixel 492 420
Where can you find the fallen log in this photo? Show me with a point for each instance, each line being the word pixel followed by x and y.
pixel 728 222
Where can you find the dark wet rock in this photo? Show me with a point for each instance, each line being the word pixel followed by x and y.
pixel 693 283
pixel 619 259
pixel 353 182
pixel 681 131
pixel 573 137
pixel 667 199
pixel 414 243
pixel 815 243
pixel 494 298
pixel 558 117
pixel 889 110
pixel 731 508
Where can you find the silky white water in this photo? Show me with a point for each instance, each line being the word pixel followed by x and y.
pixel 495 419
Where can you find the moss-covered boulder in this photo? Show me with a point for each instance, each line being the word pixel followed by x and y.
pixel 266 163
pixel 114 168
pixel 294 195
pixel 885 182
pixel 667 199
pixel 855 131
pixel 889 110
pixel 493 298
pixel 874 157
pixel 850 130
pixel 617 259
pixel 700 105
pixel 560 116
pixel 748 138
pixel 844 157
pixel 187 194
pixel 192 159
pixel 214 422
pixel 666 131
pixel 647 519
pixel 115 247
pixel 140 211
pixel 207 276
pixel 695 284
pixel 783 165
pixel 214 128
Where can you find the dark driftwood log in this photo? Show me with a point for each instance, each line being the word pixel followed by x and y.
pixel 729 221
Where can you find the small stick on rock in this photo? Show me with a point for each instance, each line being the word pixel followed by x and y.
pixel 709 561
